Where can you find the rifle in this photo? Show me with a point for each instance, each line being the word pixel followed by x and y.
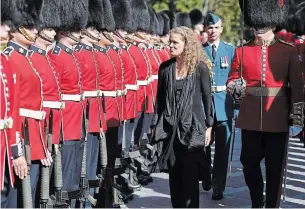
pixel 26 182
pixel 84 184
pixel 45 170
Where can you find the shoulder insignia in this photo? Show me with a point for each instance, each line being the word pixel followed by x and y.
pixel 226 43
pixel 284 42
pixel 56 50
pixel 30 53
pixel 78 48
pixel 8 51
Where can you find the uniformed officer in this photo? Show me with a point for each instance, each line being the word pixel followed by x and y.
pixel 270 69
pixel 164 38
pixel 220 53
pixel 89 65
pixel 123 20
pixel 11 148
pixel 51 103
pixel 73 19
pixel 29 101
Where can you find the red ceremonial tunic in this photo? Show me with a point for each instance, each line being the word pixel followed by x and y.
pixel 152 63
pixel 163 54
pixel 68 68
pixel 130 81
pixel 29 100
pixel 90 86
pixel 8 137
pixel 142 68
pixel 113 52
pixel 51 90
pixel 107 84
pixel 275 66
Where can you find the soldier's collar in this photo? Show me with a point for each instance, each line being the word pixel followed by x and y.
pixel 85 46
pixel 64 48
pixel 18 48
pixel 38 50
pixel 264 42
pixel 100 48
pixel 112 46
pixel 125 46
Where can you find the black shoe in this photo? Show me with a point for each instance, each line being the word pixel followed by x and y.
pixel 206 186
pixel 217 196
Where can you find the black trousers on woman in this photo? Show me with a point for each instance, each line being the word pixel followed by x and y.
pixel 184 176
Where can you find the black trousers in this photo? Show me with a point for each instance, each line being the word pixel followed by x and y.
pixel 257 145
pixel 184 177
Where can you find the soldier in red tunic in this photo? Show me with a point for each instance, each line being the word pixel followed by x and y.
pixel 11 147
pixel 73 17
pixel 269 71
pixel 89 64
pixel 28 103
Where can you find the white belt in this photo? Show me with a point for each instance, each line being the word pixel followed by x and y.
pixel 72 97
pixel 142 82
pixel 218 88
pixel 150 79
pixel 6 123
pixel 122 92
pixel 154 77
pixel 35 114
pixel 109 93
pixel 132 87
pixel 91 94
pixel 53 104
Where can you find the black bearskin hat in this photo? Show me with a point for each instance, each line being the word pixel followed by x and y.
pixel 122 15
pixel 141 17
pixel 166 23
pixel 95 15
pixel 161 24
pixel 300 20
pixel 172 18
pixel 183 19
pixel 73 15
pixel 9 13
pixel 49 16
pixel 196 17
pixel 22 13
pixel 154 24
pixel 264 13
pixel 109 23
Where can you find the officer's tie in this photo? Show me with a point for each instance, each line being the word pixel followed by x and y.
pixel 213 51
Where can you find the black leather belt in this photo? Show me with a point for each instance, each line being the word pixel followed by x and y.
pixel 267 91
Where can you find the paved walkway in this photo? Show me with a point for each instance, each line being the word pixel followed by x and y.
pixel 156 194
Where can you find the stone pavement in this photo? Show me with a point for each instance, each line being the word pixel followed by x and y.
pixel 156 194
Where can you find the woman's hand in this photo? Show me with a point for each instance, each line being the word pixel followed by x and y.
pixel 208 136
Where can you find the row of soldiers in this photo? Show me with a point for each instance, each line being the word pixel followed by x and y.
pixel 78 87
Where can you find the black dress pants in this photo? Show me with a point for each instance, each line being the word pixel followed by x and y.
pixel 257 145
pixel 184 177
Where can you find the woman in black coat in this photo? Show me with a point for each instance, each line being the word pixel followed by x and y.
pixel 184 117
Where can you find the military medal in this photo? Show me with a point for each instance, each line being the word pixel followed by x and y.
pixel 222 62
pixel 226 61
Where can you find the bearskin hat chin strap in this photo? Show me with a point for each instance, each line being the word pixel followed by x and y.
pixel 68 34
pixel 23 31
pixel 108 36
pixel 139 36
pixel 97 39
pixel 45 37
